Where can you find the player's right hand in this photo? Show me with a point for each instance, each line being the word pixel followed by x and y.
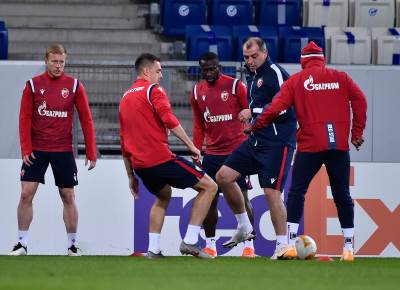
pixel 357 142
pixel 195 154
pixel 26 159
pixel 244 115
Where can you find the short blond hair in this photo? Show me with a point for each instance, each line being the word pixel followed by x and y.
pixel 255 41
pixel 57 48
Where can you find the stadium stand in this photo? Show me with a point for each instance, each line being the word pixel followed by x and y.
pixel 278 12
pixel 385 45
pixel 176 14
pixel 230 12
pixel 326 13
pixel 372 13
pixel 3 41
pixel 350 45
pixel 203 38
pixel 294 38
pixel 95 33
pixel 268 33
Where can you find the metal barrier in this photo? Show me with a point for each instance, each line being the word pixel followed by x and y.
pixel 105 83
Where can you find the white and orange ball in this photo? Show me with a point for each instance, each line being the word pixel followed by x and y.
pixel 306 247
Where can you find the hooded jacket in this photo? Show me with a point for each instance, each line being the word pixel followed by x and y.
pixel 323 99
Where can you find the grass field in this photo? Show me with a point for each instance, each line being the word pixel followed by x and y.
pixel 99 272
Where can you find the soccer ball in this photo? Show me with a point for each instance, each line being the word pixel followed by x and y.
pixel 306 247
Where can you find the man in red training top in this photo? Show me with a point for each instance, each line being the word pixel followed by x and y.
pixel 45 126
pixel 323 99
pixel 216 103
pixel 145 117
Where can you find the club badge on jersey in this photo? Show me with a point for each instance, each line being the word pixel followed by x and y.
pixel 65 93
pixel 259 82
pixel 224 96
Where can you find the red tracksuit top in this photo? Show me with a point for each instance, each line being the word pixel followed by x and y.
pixel 46 115
pixel 215 111
pixel 322 98
pixel 145 116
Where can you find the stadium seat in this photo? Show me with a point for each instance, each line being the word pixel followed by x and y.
pixel 268 33
pixel 397 12
pixel 327 13
pixel 278 12
pixel 294 38
pixel 372 13
pixel 230 12
pixel 349 45
pixel 385 45
pixel 3 41
pixel 203 38
pixel 176 14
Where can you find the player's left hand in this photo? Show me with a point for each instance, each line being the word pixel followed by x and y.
pixel 92 164
pixel 134 186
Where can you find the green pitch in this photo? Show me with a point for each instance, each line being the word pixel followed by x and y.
pixel 114 273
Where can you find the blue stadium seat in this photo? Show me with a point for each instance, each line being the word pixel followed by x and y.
pixel 203 38
pixel 3 41
pixel 268 33
pixel 176 14
pixel 230 12
pixel 278 12
pixel 294 38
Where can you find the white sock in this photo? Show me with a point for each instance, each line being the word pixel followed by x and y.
pixel 192 235
pixel 154 243
pixel 292 233
pixel 249 244
pixel 71 239
pixel 23 237
pixel 348 235
pixel 281 240
pixel 244 221
pixel 210 243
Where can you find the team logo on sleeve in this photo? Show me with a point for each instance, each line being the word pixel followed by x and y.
pixel 259 82
pixel 224 96
pixel 65 93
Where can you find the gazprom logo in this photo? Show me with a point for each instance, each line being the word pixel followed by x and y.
pixel 310 86
pixel 373 11
pixel 218 118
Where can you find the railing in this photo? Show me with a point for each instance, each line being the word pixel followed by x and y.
pixel 105 83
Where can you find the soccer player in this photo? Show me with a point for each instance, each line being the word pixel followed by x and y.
pixel 323 98
pixel 216 102
pixel 45 126
pixel 145 118
pixel 267 152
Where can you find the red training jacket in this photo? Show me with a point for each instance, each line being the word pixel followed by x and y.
pixel 322 98
pixel 145 116
pixel 215 111
pixel 46 115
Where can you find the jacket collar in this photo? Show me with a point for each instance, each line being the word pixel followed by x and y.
pixel 261 70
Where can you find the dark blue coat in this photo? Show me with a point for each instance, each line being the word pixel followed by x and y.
pixel 262 86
